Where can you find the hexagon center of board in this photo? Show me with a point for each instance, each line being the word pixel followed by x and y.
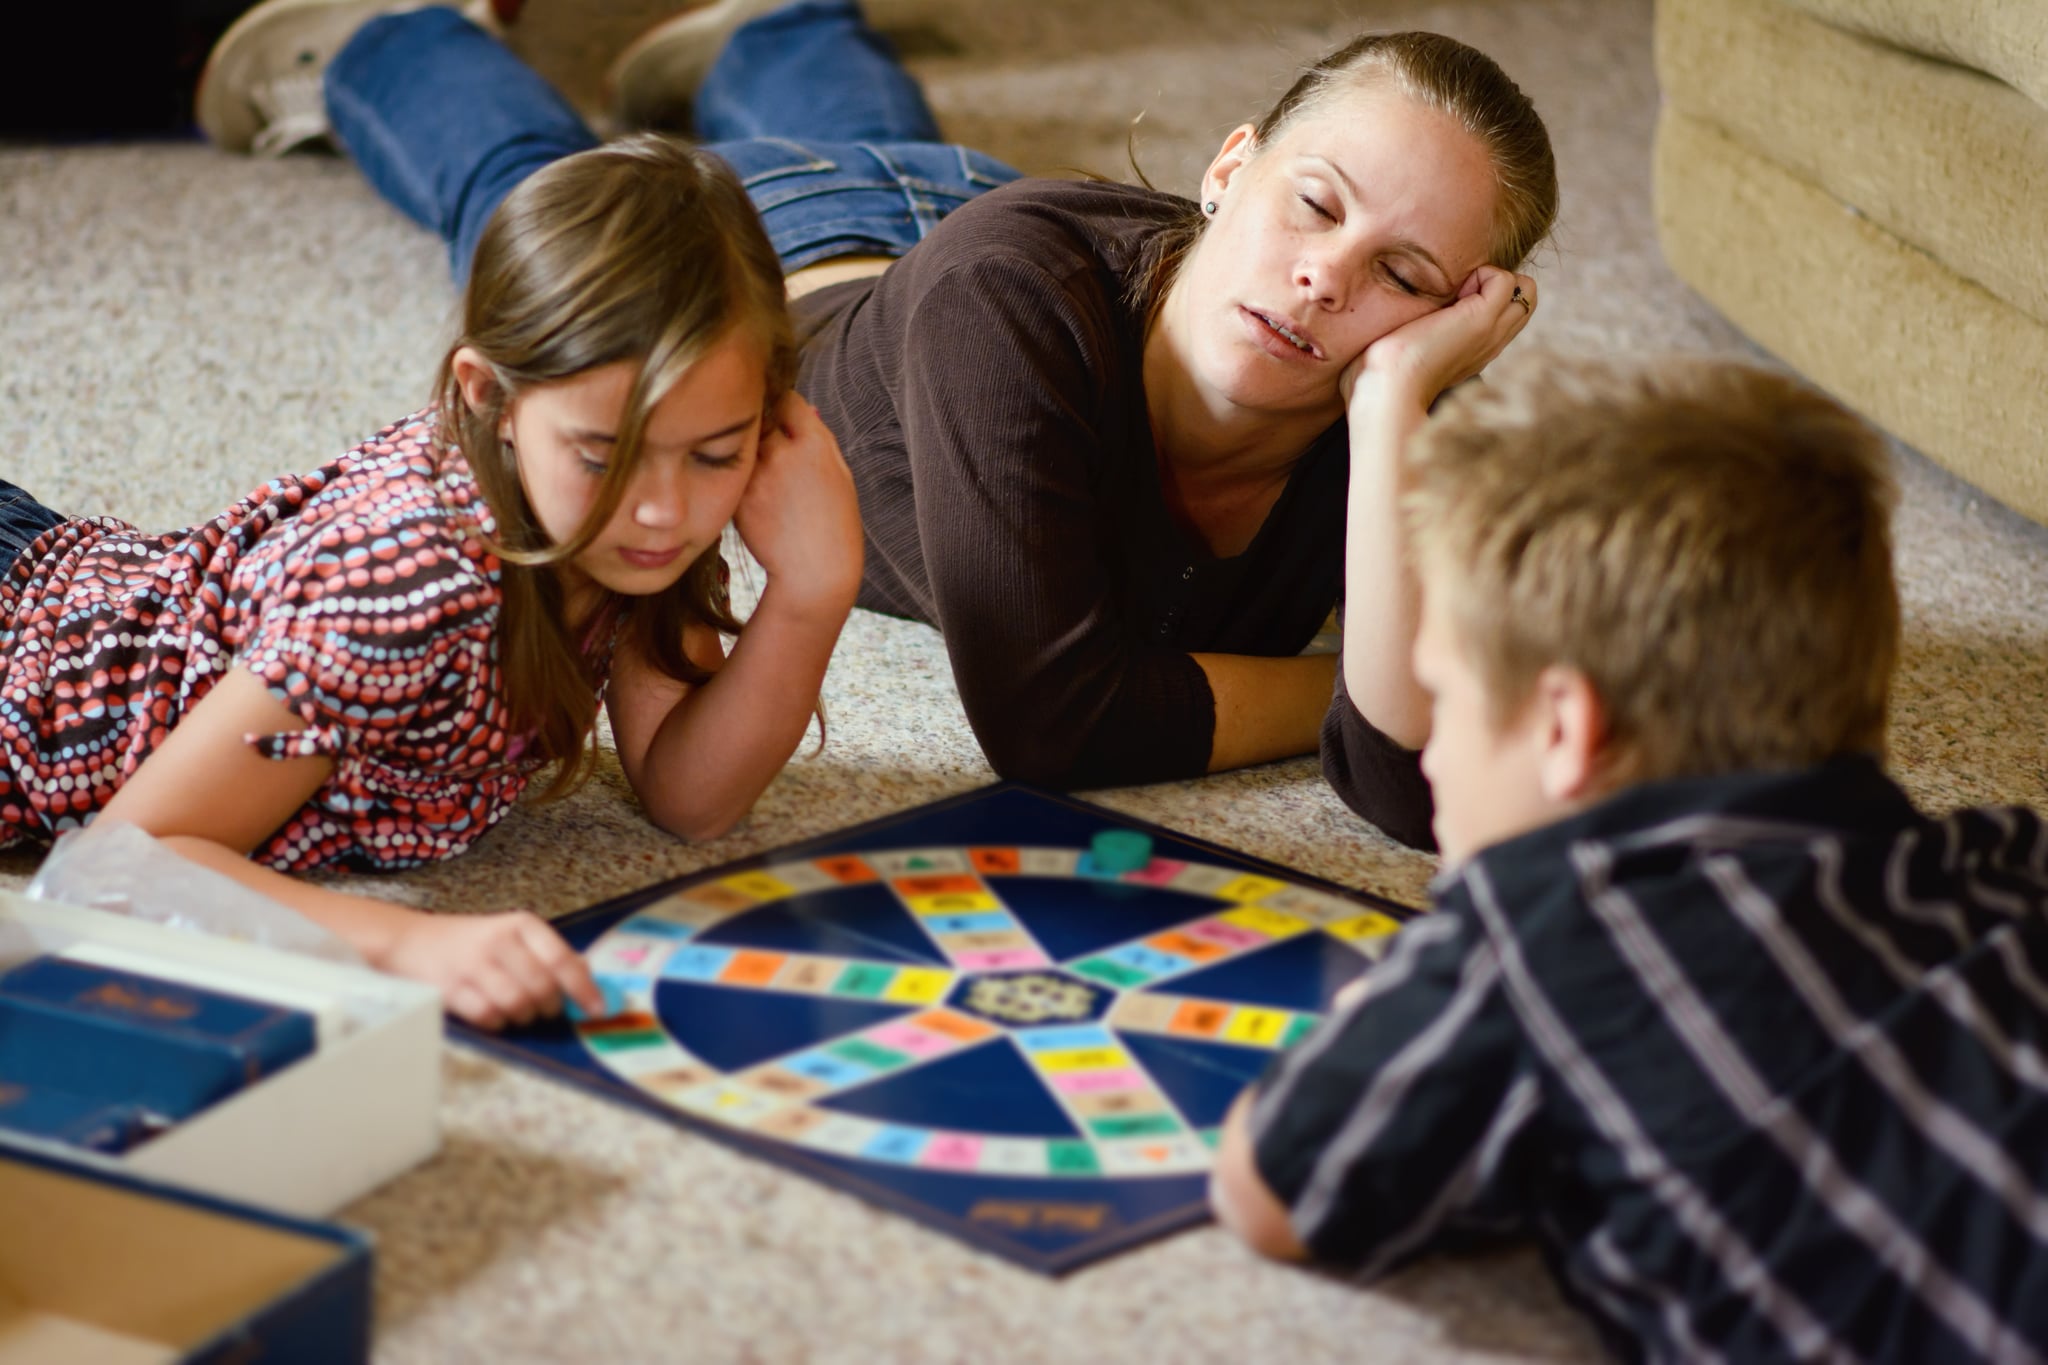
pixel 1030 999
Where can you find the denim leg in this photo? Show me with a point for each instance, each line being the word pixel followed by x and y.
pixel 824 199
pixel 444 120
pixel 22 519
pixel 812 71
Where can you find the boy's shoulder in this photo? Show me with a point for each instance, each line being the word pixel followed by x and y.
pixel 1722 875
pixel 1674 849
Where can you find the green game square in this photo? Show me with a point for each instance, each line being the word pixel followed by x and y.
pixel 1116 974
pixel 1211 1136
pixel 1298 1030
pixel 1134 1125
pixel 1064 1157
pixel 863 979
pixel 869 1054
pixel 623 1042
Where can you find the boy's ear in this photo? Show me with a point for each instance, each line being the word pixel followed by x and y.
pixel 1574 737
pixel 475 377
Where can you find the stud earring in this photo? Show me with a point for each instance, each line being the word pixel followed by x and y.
pixel 1210 208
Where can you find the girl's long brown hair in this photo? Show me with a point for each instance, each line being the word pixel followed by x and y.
pixel 645 251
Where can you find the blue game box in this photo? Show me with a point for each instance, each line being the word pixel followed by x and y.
pixel 104 1058
pixel 102 1267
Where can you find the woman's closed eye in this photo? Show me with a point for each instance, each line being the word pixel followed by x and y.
pixel 718 459
pixel 1318 207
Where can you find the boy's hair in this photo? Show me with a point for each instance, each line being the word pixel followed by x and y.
pixel 646 251
pixel 1710 544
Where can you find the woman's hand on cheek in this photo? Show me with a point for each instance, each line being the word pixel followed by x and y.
pixel 799 516
pixel 1446 347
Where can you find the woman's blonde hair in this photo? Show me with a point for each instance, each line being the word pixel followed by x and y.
pixel 1441 73
pixel 645 251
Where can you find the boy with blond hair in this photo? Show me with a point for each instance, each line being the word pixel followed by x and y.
pixel 1755 1049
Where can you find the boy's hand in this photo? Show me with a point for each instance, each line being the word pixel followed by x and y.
pixel 494 970
pixel 1445 348
pixel 799 515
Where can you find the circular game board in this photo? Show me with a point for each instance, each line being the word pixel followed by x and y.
pixel 995 1011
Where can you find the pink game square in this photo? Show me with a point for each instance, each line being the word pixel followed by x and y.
pixel 1093 1082
pixel 1229 935
pixel 954 1151
pixel 1156 873
pixel 912 1039
pixel 1002 959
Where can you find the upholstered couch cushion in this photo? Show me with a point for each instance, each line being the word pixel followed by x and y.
pixel 1947 159
pixel 1875 217
pixel 1946 366
pixel 2008 38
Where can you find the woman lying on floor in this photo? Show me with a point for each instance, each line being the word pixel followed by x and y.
pixel 1116 445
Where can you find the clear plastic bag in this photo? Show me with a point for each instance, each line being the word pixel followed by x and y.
pixel 111 865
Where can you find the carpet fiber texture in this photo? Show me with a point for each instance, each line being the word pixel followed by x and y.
pixel 176 325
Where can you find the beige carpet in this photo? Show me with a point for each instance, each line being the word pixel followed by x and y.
pixel 175 325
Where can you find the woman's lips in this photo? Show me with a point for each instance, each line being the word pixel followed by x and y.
pixel 1280 337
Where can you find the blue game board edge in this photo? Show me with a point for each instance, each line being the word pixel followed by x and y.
pixel 1051 1264
pixel 807 847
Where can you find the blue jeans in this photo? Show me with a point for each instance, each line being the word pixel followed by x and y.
pixel 22 519
pixel 830 135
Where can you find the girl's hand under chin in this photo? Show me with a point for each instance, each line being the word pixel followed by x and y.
pixel 799 516
pixel 1441 349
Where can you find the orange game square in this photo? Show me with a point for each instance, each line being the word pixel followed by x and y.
pixel 938 884
pixel 1198 1017
pixel 999 860
pixel 847 870
pixel 954 1025
pixel 1201 950
pixel 752 969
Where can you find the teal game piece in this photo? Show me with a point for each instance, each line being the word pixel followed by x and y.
pixel 1120 850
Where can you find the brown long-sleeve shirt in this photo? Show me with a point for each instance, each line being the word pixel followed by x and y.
pixel 988 391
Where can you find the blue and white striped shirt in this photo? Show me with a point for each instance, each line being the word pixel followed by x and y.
pixel 1761 1060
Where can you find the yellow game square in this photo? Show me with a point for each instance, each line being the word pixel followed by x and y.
pixel 919 986
pixel 952 903
pixel 1371 924
pixel 1255 1026
pixel 1249 888
pixel 1271 923
pixel 1082 1059
pixel 759 885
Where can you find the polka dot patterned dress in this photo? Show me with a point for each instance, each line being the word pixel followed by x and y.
pixel 361 593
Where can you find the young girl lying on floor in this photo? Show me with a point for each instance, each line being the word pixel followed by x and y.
pixel 365 666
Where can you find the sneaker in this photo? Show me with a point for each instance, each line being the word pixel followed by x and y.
pixel 261 90
pixel 654 80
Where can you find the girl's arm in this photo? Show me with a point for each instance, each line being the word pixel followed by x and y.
pixel 699 756
pixel 1389 391
pixel 212 798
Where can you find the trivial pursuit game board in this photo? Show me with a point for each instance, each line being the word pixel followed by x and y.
pixel 1013 1015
